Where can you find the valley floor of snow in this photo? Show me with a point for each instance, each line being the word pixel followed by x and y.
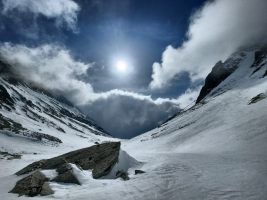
pixel 213 151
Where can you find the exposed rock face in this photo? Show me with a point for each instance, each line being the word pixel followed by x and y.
pixel 16 128
pixel 5 97
pixel 222 70
pixel 260 57
pixel 33 185
pixel 66 175
pixel 218 74
pixel 257 98
pixel 100 158
pixel 138 171
pixel 64 168
pixel 259 61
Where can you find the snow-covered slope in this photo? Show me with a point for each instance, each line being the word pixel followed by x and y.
pixel 30 113
pixel 35 124
pixel 214 150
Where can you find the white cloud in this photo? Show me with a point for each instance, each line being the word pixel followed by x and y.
pixel 53 68
pixel 49 66
pixel 216 31
pixel 188 99
pixel 64 11
pixel 126 116
pixel 117 92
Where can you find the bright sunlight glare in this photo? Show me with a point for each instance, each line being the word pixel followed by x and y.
pixel 121 66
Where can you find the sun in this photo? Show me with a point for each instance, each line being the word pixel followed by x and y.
pixel 121 66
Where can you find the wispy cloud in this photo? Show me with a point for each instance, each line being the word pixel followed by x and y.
pixel 188 98
pixel 216 31
pixel 63 11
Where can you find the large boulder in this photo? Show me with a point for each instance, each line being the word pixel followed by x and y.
pixel 33 185
pixel 99 158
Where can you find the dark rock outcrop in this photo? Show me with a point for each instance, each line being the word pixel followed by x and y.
pixel 138 171
pixel 257 98
pixel 218 74
pixel 259 61
pixel 99 158
pixel 222 70
pixel 64 168
pixel 5 97
pixel 33 185
pixel 66 175
pixel 259 58
pixel 15 128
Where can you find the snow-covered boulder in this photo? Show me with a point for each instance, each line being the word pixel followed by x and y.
pixel 99 158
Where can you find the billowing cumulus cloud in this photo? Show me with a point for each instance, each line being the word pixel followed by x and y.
pixel 64 11
pixel 49 66
pixel 216 31
pixel 126 116
pixel 123 113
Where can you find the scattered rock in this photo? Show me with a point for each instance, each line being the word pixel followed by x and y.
pixel 32 185
pixel 123 175
pixel 9 156
pixel 99 158
pixel 15 128
pixel 138 171
pixel 61 129
pixel 257 98
pixel 259 58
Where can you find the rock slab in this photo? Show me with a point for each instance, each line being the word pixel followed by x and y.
pixel 99 158
pixel 33 185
